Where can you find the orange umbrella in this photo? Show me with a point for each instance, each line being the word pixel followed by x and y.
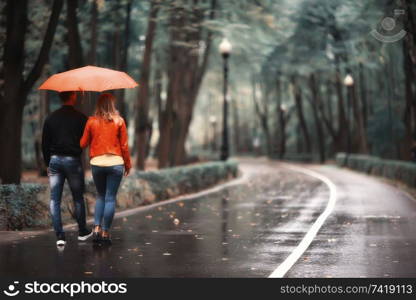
pixel 89 78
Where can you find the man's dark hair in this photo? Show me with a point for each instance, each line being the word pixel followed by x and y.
pixel 65 96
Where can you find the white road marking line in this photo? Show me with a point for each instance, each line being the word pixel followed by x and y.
pixel 288 263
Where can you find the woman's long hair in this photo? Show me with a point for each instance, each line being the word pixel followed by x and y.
pixel 106 109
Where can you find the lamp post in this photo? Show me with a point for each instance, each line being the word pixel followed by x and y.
pixel 225 48
pixel 349 83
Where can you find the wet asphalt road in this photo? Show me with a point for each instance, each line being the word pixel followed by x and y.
pixel 245 230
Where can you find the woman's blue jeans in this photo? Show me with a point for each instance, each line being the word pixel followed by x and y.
pixel 107 181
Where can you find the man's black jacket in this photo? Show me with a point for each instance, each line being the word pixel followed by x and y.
pixel 62 131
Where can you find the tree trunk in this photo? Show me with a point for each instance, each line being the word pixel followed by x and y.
pixel 42 114
pixel 123 61
pixel 409 49
pixel 263 118
pixel 329 108
pixel 360 135
pixel 409 108
pixel 280 135
pixel 299 109
pixel 92 55
pixel 342 119
pixel 11 153
pixel 315 104
pixel 16 88
pixel 142 118
pixel 193 72
pixel 175 72
pixel 326 115
pixel 363 93
pixel 75 56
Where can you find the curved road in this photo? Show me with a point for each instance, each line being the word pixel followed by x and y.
pixel 243 230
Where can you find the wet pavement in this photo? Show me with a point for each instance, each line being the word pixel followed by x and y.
pixel 371 232
pixel 245 230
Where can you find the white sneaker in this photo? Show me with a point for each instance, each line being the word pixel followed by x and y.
pixel 60 243
pixel 60 240
pixel 84 237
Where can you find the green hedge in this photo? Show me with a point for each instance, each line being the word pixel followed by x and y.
pixel 20 206
pixel 26 205
pixel 188 179
pixel 393 169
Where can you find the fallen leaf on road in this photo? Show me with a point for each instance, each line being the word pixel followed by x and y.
pixel 176 221
pixel 167 254
pixel 148 217
pixel 133 249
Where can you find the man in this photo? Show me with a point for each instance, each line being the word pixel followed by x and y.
pixel 62 132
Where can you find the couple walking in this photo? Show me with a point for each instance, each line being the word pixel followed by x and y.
pixel 66 131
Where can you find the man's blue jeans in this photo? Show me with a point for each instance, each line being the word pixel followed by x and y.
pixel 107 181
pixel 70 168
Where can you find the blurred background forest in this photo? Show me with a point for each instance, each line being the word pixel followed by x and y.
pixel 307 78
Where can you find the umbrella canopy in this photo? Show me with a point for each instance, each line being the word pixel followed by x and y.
pixel 89 78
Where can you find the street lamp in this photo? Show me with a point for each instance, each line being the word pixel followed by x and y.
pixel 349 83
pixel 348 80
pixel 225 48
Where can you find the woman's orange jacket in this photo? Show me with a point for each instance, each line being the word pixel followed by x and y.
pixel 106 137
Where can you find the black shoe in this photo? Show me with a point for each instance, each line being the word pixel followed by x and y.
pixel 84 235
pixel 60 239
pixel 106 241
pixel 96 237
pixel 96 234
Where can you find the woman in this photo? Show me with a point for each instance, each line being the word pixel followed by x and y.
pixel 106 134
